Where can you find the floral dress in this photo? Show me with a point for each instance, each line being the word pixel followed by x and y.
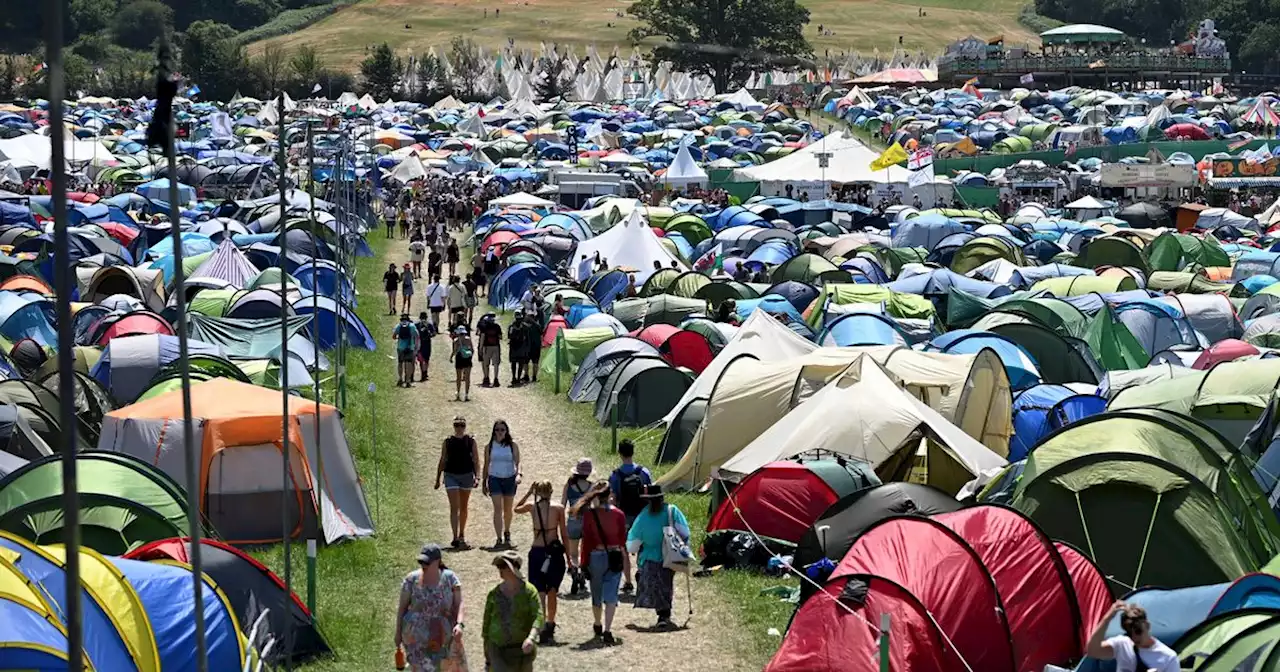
pixel 428 624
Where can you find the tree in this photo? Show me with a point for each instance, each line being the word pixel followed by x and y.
pixel 555 77
pixel 725 39
pixel 253 13
pixel 10 71
pixel 139 23
pixel 1262 46
pixel 468 68
pixel 273 67
pixel 90 16
pixel 307 68
pixel 432 79
pixel 127 73
pixel 212 59
pixel 380 72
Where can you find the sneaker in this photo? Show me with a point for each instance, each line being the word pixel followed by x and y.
pixel 455 543
pixel 484 383
pixel 506 539
pixel 457 397
pixel 467 398
pixel 497 384
pixel 548 634
pixel 598 629
pixel 665 624
pixel 628 588
pixel 497 543
pixel 609 639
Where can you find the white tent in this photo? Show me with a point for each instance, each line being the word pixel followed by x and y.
pixel 410 169
pixel 743 100
pixel 864 415
pixel 521 200
pixel 448 103
pixel 849 162
pixel 630 244
pixel 1271 215
pixel 1088 207
pixel 683 171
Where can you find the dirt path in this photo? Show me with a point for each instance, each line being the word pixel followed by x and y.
pixel 538 423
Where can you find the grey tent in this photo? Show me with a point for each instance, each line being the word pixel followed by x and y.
pixel 601 361
pixel 643 389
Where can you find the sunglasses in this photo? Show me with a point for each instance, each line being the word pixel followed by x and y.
pixel 459 424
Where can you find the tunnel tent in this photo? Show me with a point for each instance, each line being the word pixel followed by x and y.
pixel 861 329
pixel 781 500
pixel 687 284
pixel 983 249
pixel 571 348
pixel 1079 285
pixel 658 282
pixel 1219 633
pixel 640 391
pixel 1021 368
pixel 129 362
pixel 601 360
pixel 124 502
pixel 328 318
pixel 146 285
pixel 249 586
pixel 681 347
pixel 1056 314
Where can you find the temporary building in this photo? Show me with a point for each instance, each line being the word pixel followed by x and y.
pixel 639 391
pixel 683 171
pixel 1095 482
pixel 682 348
pixel 861 414
pixel 781 500
pixel 630 244
pixel 238 429
pixel 748 396
pixel 252 590
pixel 124 502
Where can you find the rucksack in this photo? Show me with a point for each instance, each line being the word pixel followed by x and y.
pixel 630 489
pixel 403 332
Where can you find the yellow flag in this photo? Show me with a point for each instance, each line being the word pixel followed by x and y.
pixel 895 154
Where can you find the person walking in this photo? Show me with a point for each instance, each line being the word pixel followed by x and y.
pixel 604 555
pixel 501 476
pixel 391 285
pixel 452 256
pixel 517 347
pixel 406 288
pixel 417 252
pixel 646 540
pixel 429 620
pixel 490 349
pixel 469 287
pixel 578 485
pixel 547 556
pixel 426 331
pixel 512 619
pixel 435 297
pixel 457 299
pixel 459 457
pixel 628 483
pixel 407 346
pixel 461 356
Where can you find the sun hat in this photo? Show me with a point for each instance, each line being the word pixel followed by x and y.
pixel 511 560
pixel 430 553
pixel 652 491
pixel 584 467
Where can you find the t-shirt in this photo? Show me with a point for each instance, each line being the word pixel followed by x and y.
pixel 457 296
pixel 435 295
pixel 391 281
pixel 491 334
pixel 406 335
pixel 433 260
pixel 614 524
pixel 417 249
pixel 1158 657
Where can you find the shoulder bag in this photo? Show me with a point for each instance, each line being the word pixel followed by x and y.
pixel 675 550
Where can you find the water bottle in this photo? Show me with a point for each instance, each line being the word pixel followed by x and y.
pixel 400 662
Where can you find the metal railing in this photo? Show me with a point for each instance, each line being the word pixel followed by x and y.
pixel 1052 63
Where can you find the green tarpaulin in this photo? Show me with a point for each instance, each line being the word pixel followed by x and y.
pixel 571 347
pixel 258 338
pixel 897 304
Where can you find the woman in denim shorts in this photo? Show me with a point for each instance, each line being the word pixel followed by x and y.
pixel 457 468
pixel 579 484
pixel 501 476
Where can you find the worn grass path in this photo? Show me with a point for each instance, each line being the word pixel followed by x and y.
pixel 550 445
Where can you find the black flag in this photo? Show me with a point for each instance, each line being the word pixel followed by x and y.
pixel 160 132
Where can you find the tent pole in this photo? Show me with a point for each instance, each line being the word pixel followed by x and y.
pixel 287 470
pixel 55 77
pixel 315 315
pixel 188 432
pixel 884 642
pixel 613 419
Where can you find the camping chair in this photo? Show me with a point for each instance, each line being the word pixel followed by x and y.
pixel 254 652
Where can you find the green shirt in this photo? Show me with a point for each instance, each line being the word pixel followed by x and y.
pixel 508 621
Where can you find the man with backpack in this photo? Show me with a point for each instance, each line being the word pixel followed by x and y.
pixel 490 333
pixel 628 483
pixel 407 346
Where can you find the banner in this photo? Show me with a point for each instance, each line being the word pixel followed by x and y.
pixel 920 158
pixel 1239 167
pixel 1147 175
pixel 921 177
pixel 894 155
pixel 1027 79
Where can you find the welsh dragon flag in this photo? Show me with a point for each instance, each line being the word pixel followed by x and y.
pixel 712 258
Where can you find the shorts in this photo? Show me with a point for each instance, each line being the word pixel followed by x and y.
pixel 604 583
pixel 462 363
pixel 471 302
pixel 502 486
pixel 406 356
pixel 573 525
pixel 408 291
pixel 549 580
pixel 435 310
pixel 491 354
pixel 465 481
pixel 424 356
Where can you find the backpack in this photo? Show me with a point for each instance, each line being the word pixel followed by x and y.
pixel 465 352
pixel 630 488
pixel 404 333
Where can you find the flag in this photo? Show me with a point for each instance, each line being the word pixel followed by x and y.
pixel 316 89
pixel 892 156
pixel 193 91
pixel 1238 144
pixel 709 260
pixel 920 158
pixel 971 87
pixel 40 67
pixel 1027 79
pixel 1264 153
pixel 921 177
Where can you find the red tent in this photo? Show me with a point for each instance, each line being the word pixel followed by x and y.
pixel 781 500
pixel 136 324
pixel 680 347
pixel 1034 586
pixel 1092 595
pixel 1187 131
pixel 504 237
pixel 1224 351
pixel 554 326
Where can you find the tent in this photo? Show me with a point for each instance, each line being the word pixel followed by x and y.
pixel 251 589
pixel 630 244
pixel 1041 410
pixel 661 309
pixel 129 362
pixel 781 500
pixel 683 171
pixel 601 361
pixel 238 429
pixel 1018 363
pixel 682 348
pixel 639 391
pixel 521 200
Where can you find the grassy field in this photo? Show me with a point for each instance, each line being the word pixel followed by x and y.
pixel 356 581
pixel 741 590
pixel 414 26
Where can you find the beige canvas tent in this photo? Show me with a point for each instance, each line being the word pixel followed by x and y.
pixel 970 391
pixel 863 414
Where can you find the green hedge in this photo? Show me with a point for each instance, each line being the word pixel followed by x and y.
pixel 1038 23
pixel 291 21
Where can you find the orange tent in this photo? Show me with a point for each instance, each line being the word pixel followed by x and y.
pixel 31 282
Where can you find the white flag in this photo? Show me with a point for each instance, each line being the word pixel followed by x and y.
pixel 920 158
pixel 221 125
pixel 1027 79
pixel 921 177
pixel 316 89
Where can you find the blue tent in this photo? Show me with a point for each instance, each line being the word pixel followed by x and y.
pixel 323 277
pixel 608 286
pixel 1018 363
pixel 579 311
pixel 1251 591
pixel 940 281
pixel 328 315
pixel 925 231
pixel 771 303
pixel 507 287
pixel 192 244
pixel 167 597
pixel 159 190
pixel 867 268
pixel 859 329
pixel 1171 613
pixel 1158 326
pixel 28 640
pixel 799 294
pixel 26 315
pixel 139 359
pixel 1031 417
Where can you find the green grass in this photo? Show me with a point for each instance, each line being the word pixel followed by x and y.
pixel 291 21
pixel 357 580
pixel 740 590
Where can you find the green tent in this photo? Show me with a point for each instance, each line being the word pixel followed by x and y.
pixel 212 302
pixel 1154 498
pixel 1255 648
pixel 1216 632
pixel 897 304
pixel 1229 397
pixel 240 337
pixel 124 502
pixel 892 259
pixel 715 293
pixel 1111 251
pixel 979 251
pixel 1175 251
pixel 1061 359
pixel 658 282
pixel 271 276
pixel 709 330
pixel 661 309
pixel 689 225
pixel 687 284
pixel 963 308
pixel 571 347
pixel 1079 285
pixel 1184 282
pixel 804 267
pixel 1054 314
pixel 1114 346
pixel 640 391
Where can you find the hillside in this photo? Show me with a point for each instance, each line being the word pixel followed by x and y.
pixel 413 26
